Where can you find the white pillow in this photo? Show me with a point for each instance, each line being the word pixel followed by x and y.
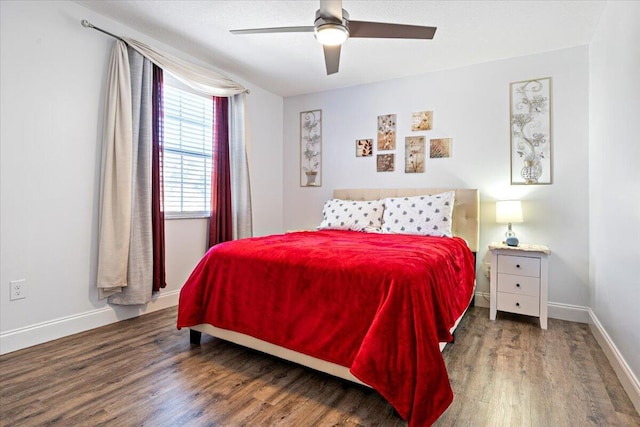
pixel 352 215
pixel 428 215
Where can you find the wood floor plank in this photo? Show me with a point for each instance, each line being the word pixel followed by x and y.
pixel 144 372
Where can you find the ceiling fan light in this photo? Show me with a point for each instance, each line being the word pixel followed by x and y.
pixel 331 34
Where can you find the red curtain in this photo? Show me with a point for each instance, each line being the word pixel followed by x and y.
pixel 220 229
pixel 157 185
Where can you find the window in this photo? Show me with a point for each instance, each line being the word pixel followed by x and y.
pixel 188 128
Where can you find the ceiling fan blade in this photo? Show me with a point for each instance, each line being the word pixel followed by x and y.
pixel 332 58
pixel 308 29
pixel 383 30
pixel 331 8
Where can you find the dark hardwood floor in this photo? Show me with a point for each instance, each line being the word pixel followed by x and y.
pixel 144 372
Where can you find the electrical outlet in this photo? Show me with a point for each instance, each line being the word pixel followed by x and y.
pixel 18 289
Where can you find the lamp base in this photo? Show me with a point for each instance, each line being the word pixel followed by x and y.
pixel 512 241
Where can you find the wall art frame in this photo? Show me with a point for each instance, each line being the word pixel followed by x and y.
pixel 440 148
pixel 421 120
pixel 311 148
pixel 387 132
pixel 386 162
pixel 531 131
pixel 414 154
pixel 364 147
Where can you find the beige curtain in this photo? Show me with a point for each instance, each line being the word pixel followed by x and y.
pixel 239 168
pixel 199 78
pixel 115 192
pixel 124 256
pixel 139 287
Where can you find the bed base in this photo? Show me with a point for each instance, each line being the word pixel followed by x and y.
pixel 195 336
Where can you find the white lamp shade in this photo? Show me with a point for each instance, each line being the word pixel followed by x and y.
pixel 508 211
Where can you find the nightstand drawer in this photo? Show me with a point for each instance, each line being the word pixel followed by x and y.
pixel 520 265
pixel 520 304
pixel 522 285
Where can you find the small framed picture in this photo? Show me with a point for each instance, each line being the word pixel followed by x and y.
pixel 422 120
pixel 414 154
pixel 387 132
pixel 385 162
pixel 364 147
pixel 440 148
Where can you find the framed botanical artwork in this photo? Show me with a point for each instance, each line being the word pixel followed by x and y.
pixel 387 132
pixel 311 148
pixel 414 154
pixel 440 148
pixel 530 107
pixel 422 120
pixel 385 162
pixel 364 147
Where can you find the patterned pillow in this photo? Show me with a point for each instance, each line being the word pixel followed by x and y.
pixel 428 215
pixel 351 215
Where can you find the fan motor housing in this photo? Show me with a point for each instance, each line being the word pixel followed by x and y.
pixel 323 20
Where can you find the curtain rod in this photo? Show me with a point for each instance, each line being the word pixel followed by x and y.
pixel 88 24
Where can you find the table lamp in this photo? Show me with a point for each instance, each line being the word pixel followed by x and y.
pixel 509 211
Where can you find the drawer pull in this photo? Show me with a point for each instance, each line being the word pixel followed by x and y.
pixel 517 285
pixel 517 265
pixel 517 304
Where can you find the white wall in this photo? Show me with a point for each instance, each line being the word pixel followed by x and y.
pixel 614 154
pixel 471 105
pixel 53 73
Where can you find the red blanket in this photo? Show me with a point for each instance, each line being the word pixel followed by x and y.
pixel 376 303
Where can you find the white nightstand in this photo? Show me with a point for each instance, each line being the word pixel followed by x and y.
pixel 519 280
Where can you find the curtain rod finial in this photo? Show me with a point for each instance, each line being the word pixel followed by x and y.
pixel 86 23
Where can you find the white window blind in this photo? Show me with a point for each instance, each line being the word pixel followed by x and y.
pixel 188 129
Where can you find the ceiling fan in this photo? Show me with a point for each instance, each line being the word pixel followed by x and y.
pixel 332 27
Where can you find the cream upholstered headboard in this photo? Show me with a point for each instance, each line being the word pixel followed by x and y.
pixel 466 209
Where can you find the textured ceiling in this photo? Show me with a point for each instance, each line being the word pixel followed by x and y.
pixel 469 32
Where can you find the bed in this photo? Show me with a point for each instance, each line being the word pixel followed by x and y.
pixel 379 317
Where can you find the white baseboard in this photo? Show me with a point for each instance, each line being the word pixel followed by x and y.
pixel 556 310
pixel 626 376
pixel 482 299
pixel 28 336
pixel 572 313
